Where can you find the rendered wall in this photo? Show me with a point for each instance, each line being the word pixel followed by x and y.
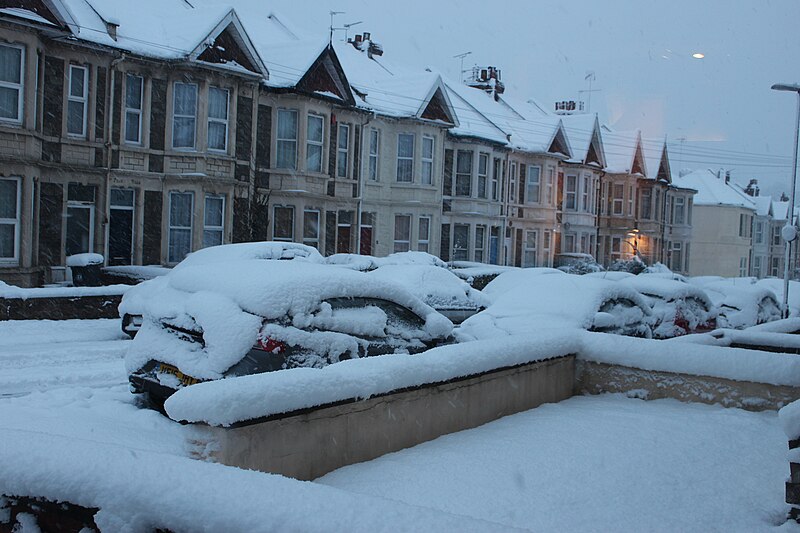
pixel 311 444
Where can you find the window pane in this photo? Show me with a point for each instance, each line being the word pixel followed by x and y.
pixel 311 225
pixel 216 135
pixel 122 197
pixel 180 212
pixel 404 169
pixel 284 223
pixel 314 128
pixel 180 242
pixel 76 81
pixel 402 228
pixel 9 103
pixel 287 154
pixel 183 132
pixel 133 92
pixel 185 99
pixel 314 157
pixel 7 241
pixel 132 126
pixel 343 139
pixel 405 145
pixel 75 117
pixel 8 198
pixel 78 230
pixel 427 172
pixel 287 124
pixel 10 64
pixel 424 228
pixel 218 103
pixel 213 211
pixel 427 148
pixel 212 237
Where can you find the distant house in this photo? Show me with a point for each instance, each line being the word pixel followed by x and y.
pixel 722 225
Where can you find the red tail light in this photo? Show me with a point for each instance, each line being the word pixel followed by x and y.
pixel 270 345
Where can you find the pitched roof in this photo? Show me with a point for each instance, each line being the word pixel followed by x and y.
pixel 657 159
pixel 763 205
pixel 712 190
pixel 583 131
pixel 623 152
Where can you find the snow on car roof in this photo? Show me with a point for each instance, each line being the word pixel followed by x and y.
pixel 370 262
pixel 437 287
pixel 666 288
pixel 228 300
pixel 267 250
pixel 513 279
pixel 610 275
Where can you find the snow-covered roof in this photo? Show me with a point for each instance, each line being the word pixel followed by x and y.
pixel 712 190
pixel 581 131
pixel 623 152
pixel 763 205
pixel 780 210
pixel 655 155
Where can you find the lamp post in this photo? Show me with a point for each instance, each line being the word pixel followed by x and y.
pixel 790 234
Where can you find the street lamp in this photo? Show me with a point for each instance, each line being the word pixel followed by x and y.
pixel 789 233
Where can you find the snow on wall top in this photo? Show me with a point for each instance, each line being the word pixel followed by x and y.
pixel 712 190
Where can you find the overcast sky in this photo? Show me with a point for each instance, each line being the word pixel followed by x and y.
pixel 640 52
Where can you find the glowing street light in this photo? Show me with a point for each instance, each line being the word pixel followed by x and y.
pixel 789 233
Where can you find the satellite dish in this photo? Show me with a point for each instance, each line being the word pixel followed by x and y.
pixel 789 233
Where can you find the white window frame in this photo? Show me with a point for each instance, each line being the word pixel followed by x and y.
pixel 630 200
pixel 677 248
pixel 342 152
pixel 679 206
pixel 373 169
pixel 320 144
pixel 82 99
pixel 170 259
pixel 758 237
pixel 496 166
pixel 512 183
pixel 617 203
pixel 402 222
pixel 176 116
pixel 286 141
pixel 461 254
pixel 403 158
pixel 549 187
pixel 479 250
pixel 424 237
pixel 585 206
pixel 134 111
pixel 275 237
pixel 16 221
pixel 209 229
pixel 427 162
pixel 571 194
pixel 483 175
pixel 533 185
pixel 742 267
pixel 461 177
pixel 19 87
pixel 529 252
pixel 312 241
pixel 216 120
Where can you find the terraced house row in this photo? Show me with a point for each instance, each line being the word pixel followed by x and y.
pixel 120 139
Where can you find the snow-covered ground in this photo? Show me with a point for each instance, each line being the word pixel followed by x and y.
pixel 596 463
pixel 43 354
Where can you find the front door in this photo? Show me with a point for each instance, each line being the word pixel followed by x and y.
pixel 120 227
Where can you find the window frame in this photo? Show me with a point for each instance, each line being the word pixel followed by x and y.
pixel 584 192
pixel 314 143
pixel 483 175
pixel 133 110
pixel 530 251
pixel 400 244
pixel 342 153
pixel 216 120
pixel 459 253
pixel 176 116
pixel 83 100
pixel 462 177
pixel 19 87
pixel 427 162
pixel 532 185
pixel 617 201
pixel 679 205
pixel 286 141
pixel 310 240
pixel 479 243
pixel 571 194
pixel 170 227
pixel 16 222
pixel 405 158
pixel 275 237
pixel 213 229
pixel 424 238
pixel 373 163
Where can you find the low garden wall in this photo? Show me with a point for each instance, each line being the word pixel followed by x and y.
pixel 60 303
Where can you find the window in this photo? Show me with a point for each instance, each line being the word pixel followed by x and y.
pixel 759 234
pixel 483 171
pixel 80 218
pixel 181 205
pixel 680 210
pixel 584 243
pixel 402 233
pixel 12 62
pixel 569 243
pixel 646 208
pixel 311 228
pixel 76 100
pixel 315 128
pixel 630 200
pixel 550 179
pixel 286 157
pixel 512 185
pixel 480 243
pixel 616 248
pixel 405 157
pixel 283 223
pixel 529 254
pixel 657 202
pixel 619 191
pixel 464 173
pixel 757 266
pixel 460 242
pixel 9 219
pixel 218 119
pixel 427 160
pixel 742 223
pixel 585 195
pixel 677 257
pixel 776 236
pixel 374 153
pixel 134 86
pixel 342 150
pixel 213 221
pixel 571 193
pixel 742 267
pixel 184 115
pixel 120 226
pixel 533 185
pixel 775 266
pixel 496 179
pixel 424 234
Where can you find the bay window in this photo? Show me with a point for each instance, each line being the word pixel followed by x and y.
pixel 427 160
pixel 184 115
pixel 218 118
pixel 287 139
pixel 12 63
pixel 315 128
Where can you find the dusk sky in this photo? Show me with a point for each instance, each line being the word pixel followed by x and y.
pixel 721 107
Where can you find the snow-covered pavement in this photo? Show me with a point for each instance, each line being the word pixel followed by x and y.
pixel 37 355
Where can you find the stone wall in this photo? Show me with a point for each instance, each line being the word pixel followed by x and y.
pixel 60 308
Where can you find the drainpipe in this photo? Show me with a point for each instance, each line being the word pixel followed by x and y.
pixel 109 144
pixel 505 203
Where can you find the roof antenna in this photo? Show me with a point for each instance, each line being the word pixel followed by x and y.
pixel 333 14
pixel 461 69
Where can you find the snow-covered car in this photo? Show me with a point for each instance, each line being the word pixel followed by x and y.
pixel 437 287
pixel 130 309
pixel 478 275
pixel 742 303
pixel 241 317
pixel 610 275
pixel 678 307
pixel 366 263
pixel 558 301
pixel 577 263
